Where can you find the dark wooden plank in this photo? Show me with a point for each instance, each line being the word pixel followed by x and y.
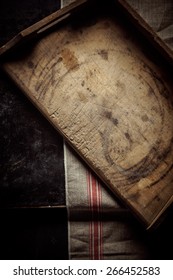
pixel 31 161
pixel 25 134
pixel 34 234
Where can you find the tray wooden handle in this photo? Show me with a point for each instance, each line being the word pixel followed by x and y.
pixel 42 25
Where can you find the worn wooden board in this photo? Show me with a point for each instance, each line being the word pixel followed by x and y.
pixel 95 84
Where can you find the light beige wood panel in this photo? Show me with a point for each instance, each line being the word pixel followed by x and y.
pixel 99 90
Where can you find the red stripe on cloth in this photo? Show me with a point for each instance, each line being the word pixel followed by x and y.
pixel 95 226
pixel 101 228
pixel 90 207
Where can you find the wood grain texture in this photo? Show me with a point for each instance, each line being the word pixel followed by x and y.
pixel 96 86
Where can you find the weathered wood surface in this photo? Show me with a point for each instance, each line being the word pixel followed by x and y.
pixel 100 91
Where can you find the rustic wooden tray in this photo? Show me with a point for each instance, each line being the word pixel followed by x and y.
pixel 94 82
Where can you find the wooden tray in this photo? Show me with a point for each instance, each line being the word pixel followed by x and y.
pixel 94 82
